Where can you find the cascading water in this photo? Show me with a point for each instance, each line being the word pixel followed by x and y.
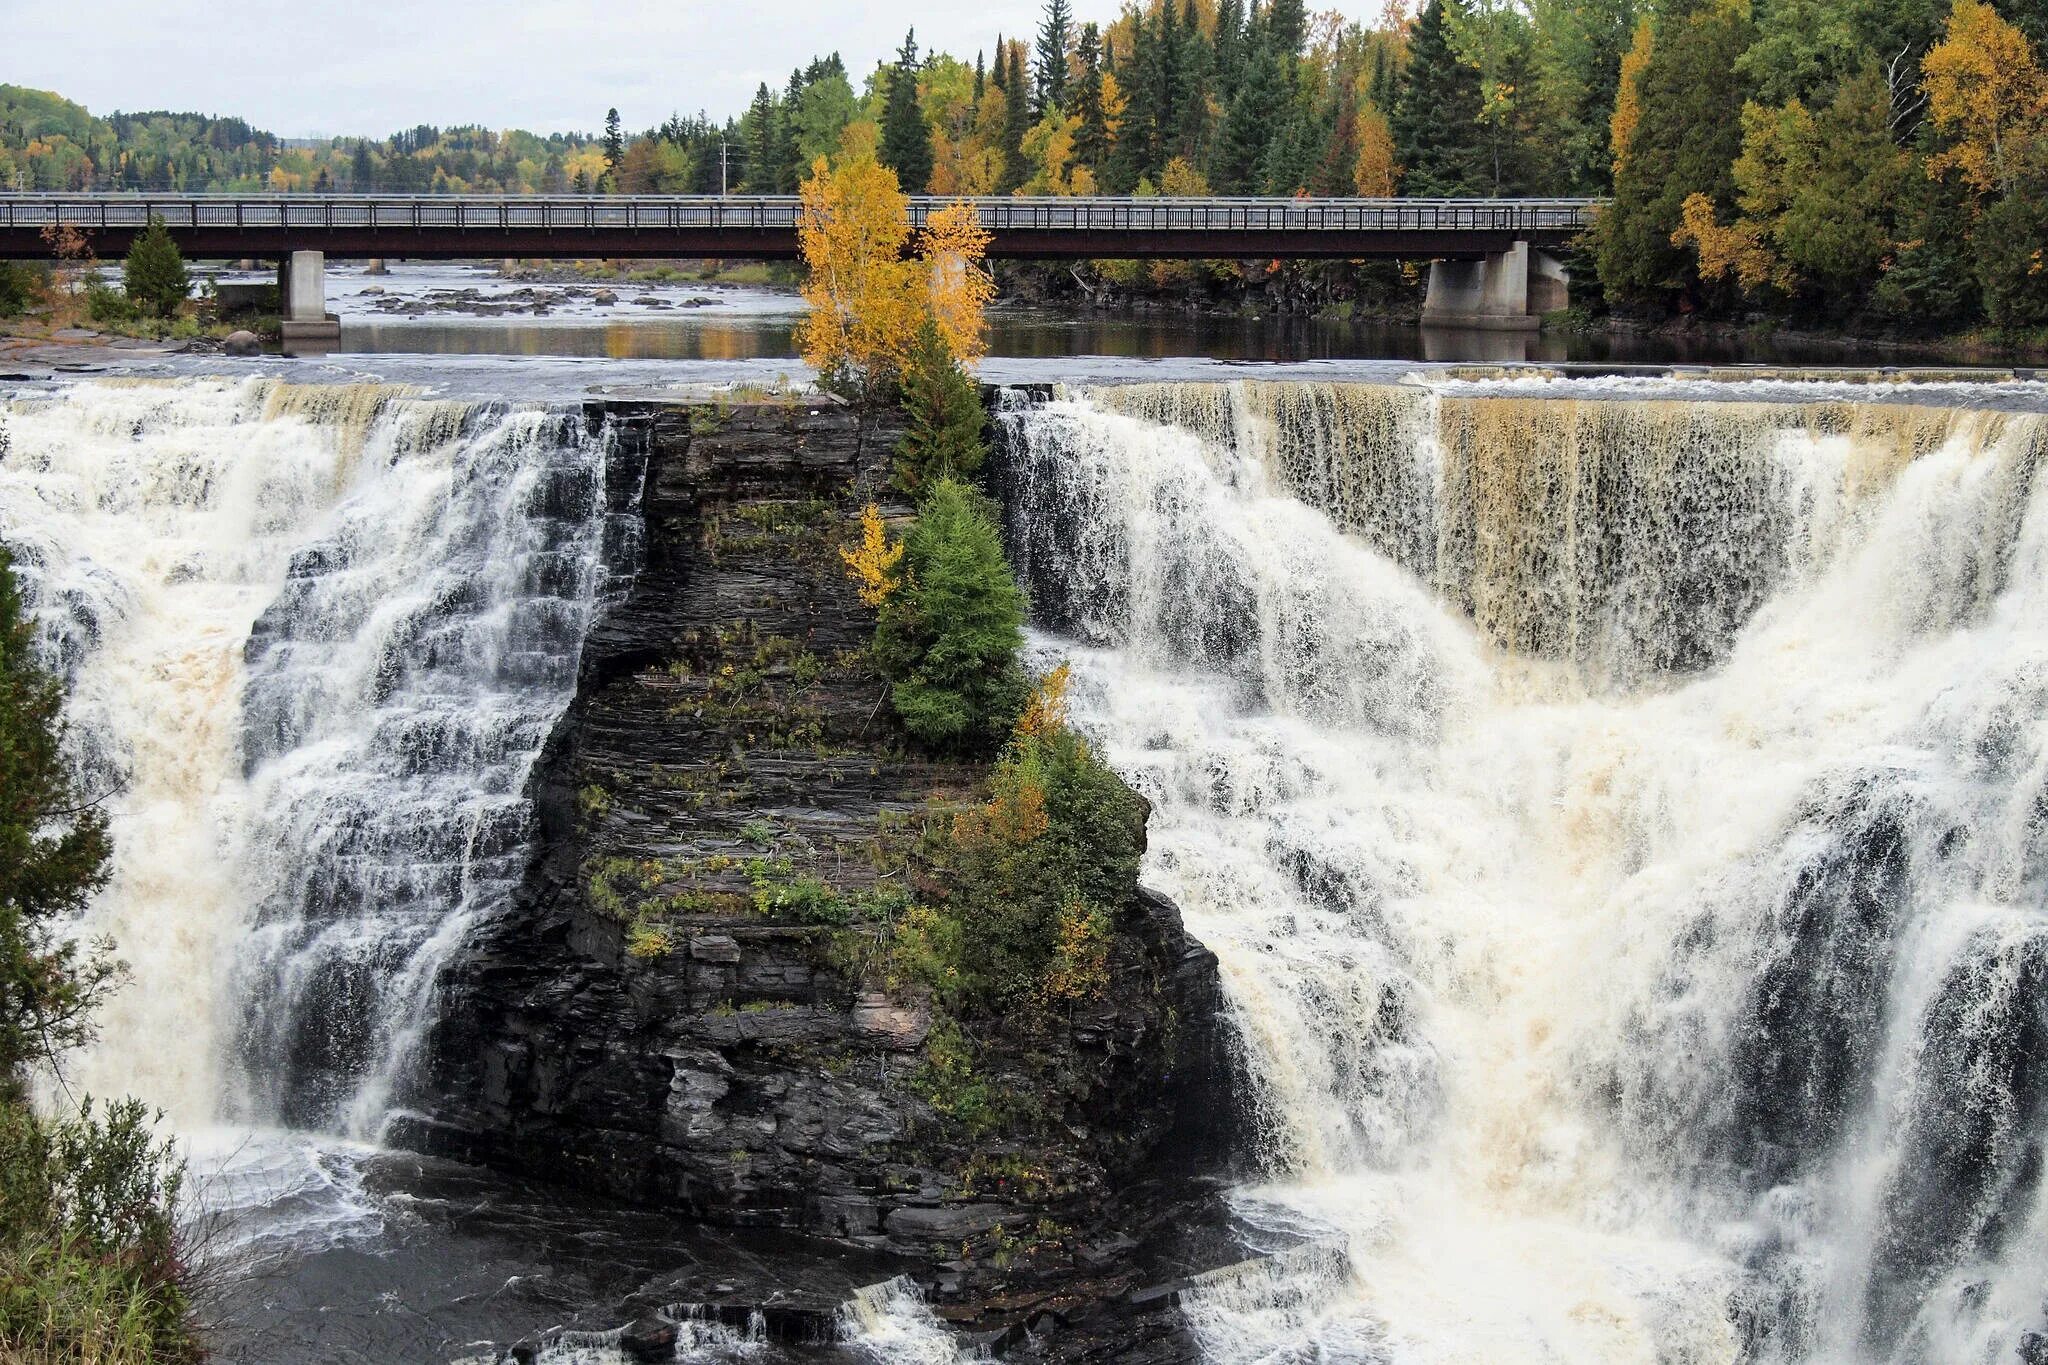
pixel 1623 827
pixel 314 640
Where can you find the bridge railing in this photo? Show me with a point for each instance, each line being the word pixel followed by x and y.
pixel 415 213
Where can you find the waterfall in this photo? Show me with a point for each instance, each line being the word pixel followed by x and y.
pixel 314 639
pixel 1621 827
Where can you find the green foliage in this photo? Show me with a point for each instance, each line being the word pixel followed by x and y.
pixel 1026 875
pixel 90 1266
pixel 948 638
pixel 21 284
pixel 1436 120
pixel 946 419
pixel 949 1083
pixel 2012 257
pixel 906 146
pixel 53 856
pixel 1686 143
pixel 154 273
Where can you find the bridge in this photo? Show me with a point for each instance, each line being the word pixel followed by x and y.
pixel 1494 254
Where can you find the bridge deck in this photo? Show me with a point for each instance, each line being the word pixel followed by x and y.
pixel 450 226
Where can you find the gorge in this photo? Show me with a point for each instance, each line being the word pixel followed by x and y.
pixel 1605 818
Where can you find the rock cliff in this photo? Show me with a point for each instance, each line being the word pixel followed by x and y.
pixel 680 1007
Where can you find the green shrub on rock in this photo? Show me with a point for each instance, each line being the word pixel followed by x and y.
pixel 948 635
pixel 946 420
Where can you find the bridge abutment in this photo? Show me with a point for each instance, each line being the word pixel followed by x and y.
pixel 1507 291
pixel 306 324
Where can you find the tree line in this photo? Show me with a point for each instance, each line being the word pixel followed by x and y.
pixel 1876 161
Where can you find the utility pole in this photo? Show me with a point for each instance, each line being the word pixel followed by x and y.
pixel 723 148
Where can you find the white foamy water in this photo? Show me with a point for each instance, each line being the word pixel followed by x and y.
pixel 314 639
pixel 1620 828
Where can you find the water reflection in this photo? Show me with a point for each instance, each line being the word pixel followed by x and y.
pixel 1042 334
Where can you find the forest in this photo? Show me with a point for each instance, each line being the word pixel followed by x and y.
pixel 1875 165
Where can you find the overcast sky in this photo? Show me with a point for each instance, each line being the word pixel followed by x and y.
pixel 374 66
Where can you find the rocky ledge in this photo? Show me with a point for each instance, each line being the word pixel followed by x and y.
pixel 678 1009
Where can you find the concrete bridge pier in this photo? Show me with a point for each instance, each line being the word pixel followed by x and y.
pixel 307 326
pixel 1507 291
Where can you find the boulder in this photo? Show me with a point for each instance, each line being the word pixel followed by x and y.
pixel 604 298
pixel 243 343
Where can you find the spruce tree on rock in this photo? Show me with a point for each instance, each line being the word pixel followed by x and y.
pixel 53 856
pixel 906 140
pixel 1436 120
pixel 1053 35
pixel 943 436
pixel 154 272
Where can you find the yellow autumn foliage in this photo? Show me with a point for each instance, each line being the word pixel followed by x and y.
pixel 959 290
pixel 872 563
pixel 1986 90
pixel 1628 100
pixel 1047 709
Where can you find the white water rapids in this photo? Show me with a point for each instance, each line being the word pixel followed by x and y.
pixel 314 639
pixel 1621 826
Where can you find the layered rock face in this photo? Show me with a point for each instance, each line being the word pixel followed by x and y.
pixel 682 1006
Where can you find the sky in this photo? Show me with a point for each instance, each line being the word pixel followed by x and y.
pixel 372 67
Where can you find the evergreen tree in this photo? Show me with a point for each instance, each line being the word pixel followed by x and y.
pixel 1229 46
pixel 1436 120
pixel 980 77
pixel 614 145
pixel 154 272
pixel 1131 159
pixel 1685 142
pixel 761 143
pixel 948 639
pixel 1249 124
pixel 789 151
pixel 1016 122
pixel 1091 139
pixel 53 855
pixel 1053 35
pixel 906 140
pixel 1287 29
pixel 943 438
pixel 1193 70
pixel 362 175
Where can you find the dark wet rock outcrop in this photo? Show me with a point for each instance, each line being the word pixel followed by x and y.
pixel 673 1012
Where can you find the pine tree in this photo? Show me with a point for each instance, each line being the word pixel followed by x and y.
pixel 1194 72
pixel 1436 121
pixel 980 77
pixel 1053 34
pixel 789 151
pixel 614 145
pixel 1287 29
pixel 1229 44
pixel 943 438
pixel 154 272
pixel 1131 159
pixel 1016 122
pixel 906 140
pixel 1091 139
pixel 1249 125
pixel 1684 143
pixel 761 143
pixel 362 174
pixel 53 855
